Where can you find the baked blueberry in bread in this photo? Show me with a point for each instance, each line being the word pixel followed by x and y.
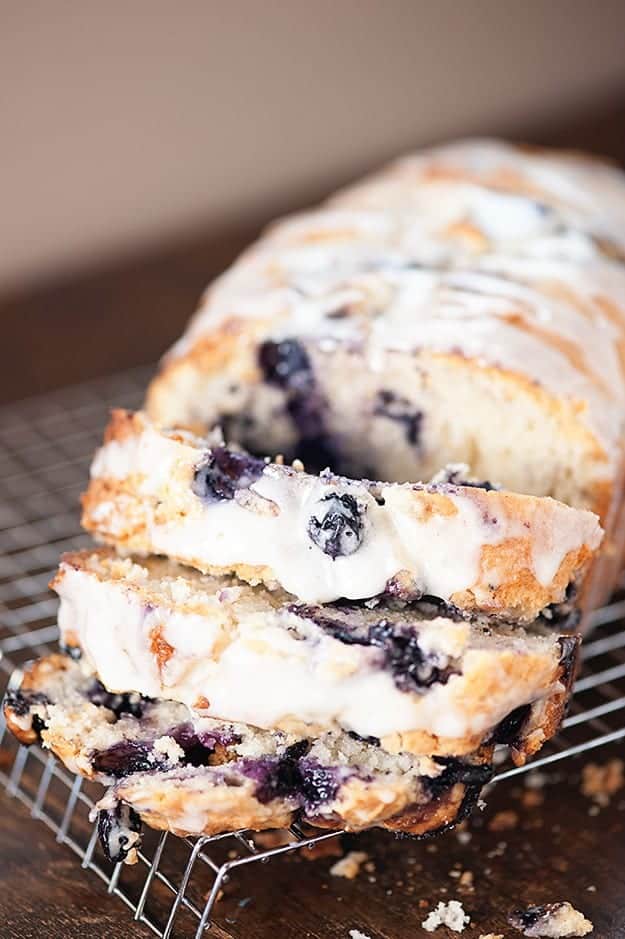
pixel 201 776
pixel 465 305
pixel 326 537
pixel 551 921
pixel 441 685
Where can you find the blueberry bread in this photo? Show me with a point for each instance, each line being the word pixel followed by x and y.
pixel 229 650
pixel 466 305
pixel 322 538
pixel 206 776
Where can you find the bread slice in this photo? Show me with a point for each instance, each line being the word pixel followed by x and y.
pixel 232 651
pixel 463 306
pixel 206 777
pixel 323 538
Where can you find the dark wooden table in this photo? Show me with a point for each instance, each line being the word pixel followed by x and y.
pixel 123 315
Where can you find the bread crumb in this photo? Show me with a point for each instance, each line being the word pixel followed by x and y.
pixel 357 934
pixel 449 914
pixel 504 821
pixel 466 879
pixel 169 748
pixel 600 782
pixel 551 921
pixel 349 866
pixel 491 935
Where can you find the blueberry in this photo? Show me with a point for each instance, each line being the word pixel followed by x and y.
pixel 119 831
pixel 400 410
pixel 20 702
pixel 292 776
pixel 284 363
pixel 508 730
pixel 278 777
pixel 319 784
pixel 274 778
pixel 472 775
pixel 287 365
pixel 336 527
pixel 532 916
pixel 453 476
pixel 223 472
pixel 130 703
pixel 200 746
pixel 412 668
pixel 127 757
pixel 371 741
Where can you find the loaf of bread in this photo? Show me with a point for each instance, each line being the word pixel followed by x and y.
pixel 324 538
pixel 441 686
pixel 458 318
pixel 465 305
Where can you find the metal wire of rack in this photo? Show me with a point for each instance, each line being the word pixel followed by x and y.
pixel 46 444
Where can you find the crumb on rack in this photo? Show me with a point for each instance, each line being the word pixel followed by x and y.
pixel 449 914
pixel 601 781
pixel 357 934
pixel 349 866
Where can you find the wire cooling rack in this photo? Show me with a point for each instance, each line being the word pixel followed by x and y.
pixel 45 448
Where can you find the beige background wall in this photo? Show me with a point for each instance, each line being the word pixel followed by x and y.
pixel 126 122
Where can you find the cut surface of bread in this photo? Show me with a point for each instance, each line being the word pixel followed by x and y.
pixel 206 776
pixel 466 304
pixel 324 538
pixel 233 651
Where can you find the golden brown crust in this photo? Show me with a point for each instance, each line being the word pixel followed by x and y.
pixel 169 807
pixel 442 812
pixel 545 719
pixel 122 425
